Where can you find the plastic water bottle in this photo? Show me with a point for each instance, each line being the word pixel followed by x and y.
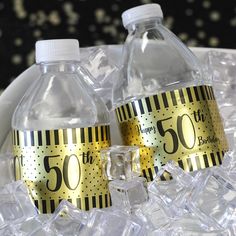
pixel 59 127
pixel 164 101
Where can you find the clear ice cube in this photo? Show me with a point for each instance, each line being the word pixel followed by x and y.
pixel 128 194
pixel 66 220
pixel 115 223
pixel 6 169
pixel 214 199
pixel 223 67
pixel 121 162
pixel 154 213
pixel 15 204
pixel 175 191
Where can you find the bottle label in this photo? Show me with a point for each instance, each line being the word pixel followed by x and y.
pixel 63 164
pixel 183 125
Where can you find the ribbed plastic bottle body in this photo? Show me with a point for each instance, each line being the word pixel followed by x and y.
pixel 59 99
pixel 155 60
pixel 164 101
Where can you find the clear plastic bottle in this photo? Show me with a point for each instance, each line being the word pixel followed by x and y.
pixel 164 100
pixel 59 127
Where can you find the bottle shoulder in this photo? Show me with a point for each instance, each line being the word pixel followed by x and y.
pixel 59 100
pixel 156 60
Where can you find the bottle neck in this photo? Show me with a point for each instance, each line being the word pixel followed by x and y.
pixel 59 66
pixel 144 25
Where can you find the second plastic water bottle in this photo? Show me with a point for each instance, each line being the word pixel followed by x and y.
pixel 164 100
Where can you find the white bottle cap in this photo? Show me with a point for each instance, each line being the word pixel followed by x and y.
pixel 57 50
pixel 141 12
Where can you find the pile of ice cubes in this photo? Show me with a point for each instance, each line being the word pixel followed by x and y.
pixel 202 203
pixel 198 203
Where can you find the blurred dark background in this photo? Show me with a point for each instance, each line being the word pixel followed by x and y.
pixel 203 23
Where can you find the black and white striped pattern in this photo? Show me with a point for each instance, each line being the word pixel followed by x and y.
pixel 61 136
pixel 86 203
pixel 164 100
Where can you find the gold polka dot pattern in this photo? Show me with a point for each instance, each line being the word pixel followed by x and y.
pixel 63 164
pixel 183 125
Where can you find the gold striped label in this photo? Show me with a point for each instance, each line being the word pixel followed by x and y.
pixel 183 125
pixel 62 164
